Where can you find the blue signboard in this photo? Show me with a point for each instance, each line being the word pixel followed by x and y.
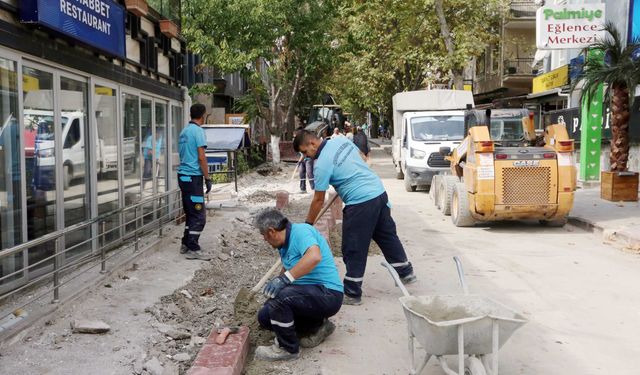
pixel 634 19
pixel 98 23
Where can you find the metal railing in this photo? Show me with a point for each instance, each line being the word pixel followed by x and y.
pixel 133 223
pixel 519 66
pixel 523 9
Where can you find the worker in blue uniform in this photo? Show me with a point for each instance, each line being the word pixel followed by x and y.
pixel 305 295
pixel 192 172
pixel 367 212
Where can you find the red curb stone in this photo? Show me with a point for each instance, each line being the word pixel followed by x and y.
pixel 282 199
pixel 225 359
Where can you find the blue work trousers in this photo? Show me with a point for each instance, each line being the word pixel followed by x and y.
pixel 363 222
pixel 194 209
pixel 298 310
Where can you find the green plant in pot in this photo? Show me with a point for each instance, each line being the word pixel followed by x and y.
pixel 619 72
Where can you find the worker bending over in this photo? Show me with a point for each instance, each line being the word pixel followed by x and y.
pixel 301 299
pixel 367 213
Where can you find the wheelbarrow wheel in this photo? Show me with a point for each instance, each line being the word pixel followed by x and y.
pixel 473 366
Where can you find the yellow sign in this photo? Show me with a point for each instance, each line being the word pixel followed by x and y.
pixel 105 91
pixel 555 78
pixel 30 83
pixel 467 87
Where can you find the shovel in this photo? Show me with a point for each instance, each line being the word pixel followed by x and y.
pixel 243 294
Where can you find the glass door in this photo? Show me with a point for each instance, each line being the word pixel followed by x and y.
pixel 132 156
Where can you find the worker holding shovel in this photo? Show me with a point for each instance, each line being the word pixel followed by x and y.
pixel 367 213
pixel 301 299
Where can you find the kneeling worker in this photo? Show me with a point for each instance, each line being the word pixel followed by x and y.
pixel 302 298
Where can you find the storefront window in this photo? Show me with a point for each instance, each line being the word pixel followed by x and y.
pixel 160 147
pixel 177 125
pixel 132 178
pixel 40 159
pixel 107 156
pixel 10 170
pixel 74 109
pixel 146 123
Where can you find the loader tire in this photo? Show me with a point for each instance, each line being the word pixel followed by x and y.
pixel 407 185
pixel 433 192
pixel 447 185
pixel 460 213
pixel 557 223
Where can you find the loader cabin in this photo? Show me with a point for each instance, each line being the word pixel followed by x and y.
pixel 505 128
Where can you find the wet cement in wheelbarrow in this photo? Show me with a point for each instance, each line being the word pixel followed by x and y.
pixel 439 311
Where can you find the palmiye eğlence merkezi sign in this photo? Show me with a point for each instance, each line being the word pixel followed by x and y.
pixel 569 26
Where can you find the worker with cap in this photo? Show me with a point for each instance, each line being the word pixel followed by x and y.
pixel 367 212
pixel 305 295
pixel 193 171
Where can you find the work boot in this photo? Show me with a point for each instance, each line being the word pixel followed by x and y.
pixel 274 353
pixel 183 249
pixel 197 255
pixel 303 192
pixel 321 334
pixel 409 279
pixel 354 301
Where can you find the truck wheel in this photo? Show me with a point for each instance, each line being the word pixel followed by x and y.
pixel 447 185
pixel 66 178
pixel 460 213
pixel 433 192
pixel 555 223
pixel 407 185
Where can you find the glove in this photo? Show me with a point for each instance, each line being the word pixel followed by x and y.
pixel 208 183
pixel 275 285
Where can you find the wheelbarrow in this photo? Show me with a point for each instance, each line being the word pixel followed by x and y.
pixel 469 326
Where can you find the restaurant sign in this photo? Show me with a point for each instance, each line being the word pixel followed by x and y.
pixel 569 25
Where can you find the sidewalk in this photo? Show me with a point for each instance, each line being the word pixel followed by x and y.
pixel 615 220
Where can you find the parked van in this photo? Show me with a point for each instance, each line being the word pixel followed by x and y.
pixel 424 121
pixel 74 141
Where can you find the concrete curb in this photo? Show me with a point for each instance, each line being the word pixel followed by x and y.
pixel 226 359
pixel 610 234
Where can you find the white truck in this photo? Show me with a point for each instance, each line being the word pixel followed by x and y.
pixel 424 121
pixel 74 141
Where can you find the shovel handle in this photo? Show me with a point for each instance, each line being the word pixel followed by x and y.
pixel 278 263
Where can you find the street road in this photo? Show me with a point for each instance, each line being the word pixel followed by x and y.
pixel 580 295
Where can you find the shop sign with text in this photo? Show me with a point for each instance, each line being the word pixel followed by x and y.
pixel 555 78
pixel 569 26
pixel 97 23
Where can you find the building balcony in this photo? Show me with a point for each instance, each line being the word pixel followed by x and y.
pixel 518 71
pixel 522 15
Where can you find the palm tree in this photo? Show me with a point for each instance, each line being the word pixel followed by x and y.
pixel 619 71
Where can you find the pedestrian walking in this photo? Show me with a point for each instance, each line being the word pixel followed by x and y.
pixel 361 141
pixel 192 172
pixel 308 292
pixel 305 172
pixel 367 213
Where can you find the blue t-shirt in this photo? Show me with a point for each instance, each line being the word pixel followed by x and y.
pixel 191 138
pixel 338 163
pixel 301 237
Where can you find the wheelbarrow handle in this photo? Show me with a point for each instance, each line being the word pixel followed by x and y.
pixel 396 278
pixel 461 274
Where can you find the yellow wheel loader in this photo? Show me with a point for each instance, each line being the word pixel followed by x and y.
pixel 503 171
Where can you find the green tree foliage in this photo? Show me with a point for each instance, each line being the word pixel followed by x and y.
pixel 388 46
pixel 280 45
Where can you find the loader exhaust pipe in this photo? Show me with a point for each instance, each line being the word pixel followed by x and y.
pixel 487 120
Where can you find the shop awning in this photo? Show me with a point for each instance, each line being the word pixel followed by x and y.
pixel 541 94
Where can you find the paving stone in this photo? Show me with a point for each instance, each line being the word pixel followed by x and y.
pixel 89 326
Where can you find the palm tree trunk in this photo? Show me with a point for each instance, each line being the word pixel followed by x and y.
pixel 619 128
